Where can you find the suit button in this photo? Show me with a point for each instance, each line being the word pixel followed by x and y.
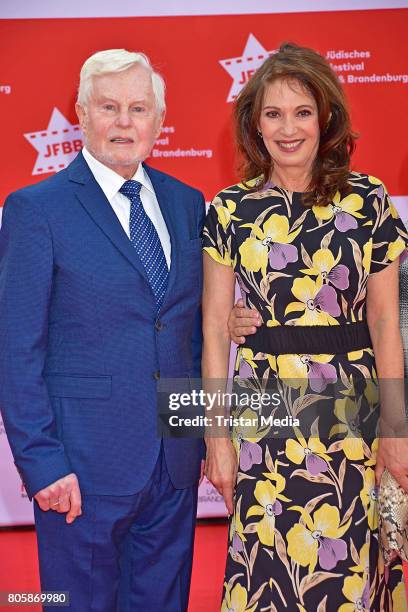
pixel 158 325
pixel 156 375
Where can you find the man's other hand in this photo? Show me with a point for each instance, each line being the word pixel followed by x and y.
pixel 62 496
pixel 243 322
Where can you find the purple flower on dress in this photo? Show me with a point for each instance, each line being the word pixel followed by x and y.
pixel 344 221
pixel 320 375
pixel 326 300
pixel 250 454
pixel 315 465
pixel 282 254
pixel 245 370
pixel 275 508
pixel 331 551
pixel 237 544
pixel 243 289
pixel 339 276
pixel 365 598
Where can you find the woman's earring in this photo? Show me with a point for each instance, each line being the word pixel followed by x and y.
pixel 259 134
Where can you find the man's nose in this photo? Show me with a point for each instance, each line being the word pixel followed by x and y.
pixel 123 118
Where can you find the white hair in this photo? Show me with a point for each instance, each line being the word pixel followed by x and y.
pixel 117 60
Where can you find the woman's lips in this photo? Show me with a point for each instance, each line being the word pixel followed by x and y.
pixel 289 146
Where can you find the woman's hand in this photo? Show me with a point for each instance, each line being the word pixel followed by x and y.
pixel 221 468
pixel 393 455
pixel 243 322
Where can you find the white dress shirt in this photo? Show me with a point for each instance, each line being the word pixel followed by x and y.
pixel 110 182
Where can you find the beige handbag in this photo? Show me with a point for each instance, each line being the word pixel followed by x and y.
pixel 393 518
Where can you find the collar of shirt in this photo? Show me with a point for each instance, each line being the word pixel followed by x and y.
pixel 110 181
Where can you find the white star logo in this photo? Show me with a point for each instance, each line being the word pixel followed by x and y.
pixel 242 68
pixel 57 146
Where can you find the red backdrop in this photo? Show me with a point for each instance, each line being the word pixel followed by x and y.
pixel 41 59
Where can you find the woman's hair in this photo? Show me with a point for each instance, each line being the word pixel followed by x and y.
pixel 337 140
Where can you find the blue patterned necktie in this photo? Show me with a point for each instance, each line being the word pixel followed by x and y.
pixel 146 241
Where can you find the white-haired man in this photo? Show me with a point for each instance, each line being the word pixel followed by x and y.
pixel 100 283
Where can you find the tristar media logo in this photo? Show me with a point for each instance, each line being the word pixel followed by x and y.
pixel 57 146
pixel 242 68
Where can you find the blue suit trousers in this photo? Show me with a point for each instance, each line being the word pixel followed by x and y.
pixel 124 553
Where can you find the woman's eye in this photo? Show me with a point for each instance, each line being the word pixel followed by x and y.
pixel 272 114
pixel 138 109
pixel 108 107
pixel 305 113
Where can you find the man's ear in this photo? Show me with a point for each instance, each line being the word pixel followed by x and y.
pixel 160 123
pixel 81 114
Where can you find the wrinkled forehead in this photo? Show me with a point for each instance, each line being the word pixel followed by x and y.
pixel 135 83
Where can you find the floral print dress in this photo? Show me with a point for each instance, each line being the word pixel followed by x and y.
pixel 304 533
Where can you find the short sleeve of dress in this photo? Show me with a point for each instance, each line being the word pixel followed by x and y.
pixel 390 237
pixel 218 231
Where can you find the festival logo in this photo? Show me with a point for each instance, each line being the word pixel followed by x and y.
pixel 57 146
pixel 242 68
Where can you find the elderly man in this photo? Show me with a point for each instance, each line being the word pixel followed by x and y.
pixel 100 287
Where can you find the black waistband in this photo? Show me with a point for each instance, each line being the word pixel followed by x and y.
pixel 310 339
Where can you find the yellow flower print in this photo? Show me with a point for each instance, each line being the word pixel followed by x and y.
pixel 237 535
pixel 271 243
pixel 368 496
pixel 367 253
pixel 267 495
pixel 318 301
pixel 395 249
pixel 346 410
pixel 225 213
pixel 312 452
pixel 357 355
pixel 245 363
pixel 272 322
pixel 250 184
pixel 357 590
pixel 319 539
pixel 372 457
pixel 224 260
pixel 374 181
pixel 272 362
pixel 236 600
pixel 328 269
pixel 364 556
pixel 344 211
pixel 399 598
pixel 299 370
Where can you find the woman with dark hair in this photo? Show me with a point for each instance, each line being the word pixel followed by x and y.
pixel 314 247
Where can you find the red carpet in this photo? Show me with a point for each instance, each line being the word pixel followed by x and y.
pixel 19 567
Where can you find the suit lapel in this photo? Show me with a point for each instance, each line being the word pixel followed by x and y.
pixel 98 207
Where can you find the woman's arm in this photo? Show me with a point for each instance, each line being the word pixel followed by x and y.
pixel 218 300
pixel 383 322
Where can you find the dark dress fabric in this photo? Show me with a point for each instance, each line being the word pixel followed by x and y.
pixel 304 533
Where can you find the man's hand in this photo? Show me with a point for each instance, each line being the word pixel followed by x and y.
pixel 202 472
pixel 221 468
pixel 243 322
pixel 393 455
pixel 63 495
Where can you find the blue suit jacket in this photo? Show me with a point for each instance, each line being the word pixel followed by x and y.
pixel 80 339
